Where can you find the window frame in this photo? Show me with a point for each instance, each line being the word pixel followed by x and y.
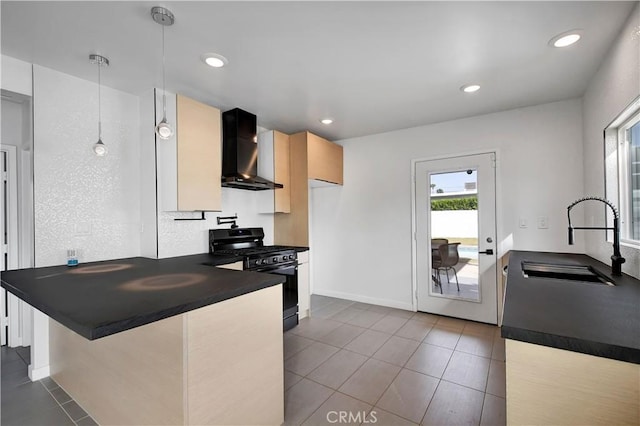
pixel 617 170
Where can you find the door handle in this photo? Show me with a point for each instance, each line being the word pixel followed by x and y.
pixel 487 251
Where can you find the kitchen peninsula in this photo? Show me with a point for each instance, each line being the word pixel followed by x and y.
pixel 171 341
pixel 572 347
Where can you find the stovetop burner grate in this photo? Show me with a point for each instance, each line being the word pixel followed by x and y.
pixel 252 251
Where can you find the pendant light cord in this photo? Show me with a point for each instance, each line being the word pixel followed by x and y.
pixel 164 93
pixel 99 104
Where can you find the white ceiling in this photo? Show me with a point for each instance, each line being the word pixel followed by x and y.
pixel 372 66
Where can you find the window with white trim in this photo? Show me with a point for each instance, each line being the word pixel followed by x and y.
pixel 622 169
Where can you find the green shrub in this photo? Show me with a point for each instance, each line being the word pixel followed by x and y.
pixel 464 203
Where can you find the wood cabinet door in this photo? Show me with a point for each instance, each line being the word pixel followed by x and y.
pixel 282 173
pixel 199 159
pixel 324 159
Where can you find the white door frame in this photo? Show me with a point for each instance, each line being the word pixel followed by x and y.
pixel 414 219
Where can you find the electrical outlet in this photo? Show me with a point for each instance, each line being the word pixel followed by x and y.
pixel 543 222
pixel 523 222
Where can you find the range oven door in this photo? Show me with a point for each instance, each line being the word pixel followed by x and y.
pixel 289 292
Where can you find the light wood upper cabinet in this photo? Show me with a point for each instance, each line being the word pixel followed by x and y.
pixel 274 165
pixel 198 155
pixel 324 159
pixel 189 165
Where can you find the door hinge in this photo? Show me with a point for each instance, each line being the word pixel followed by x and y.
pixel 5 176
pixel 4 322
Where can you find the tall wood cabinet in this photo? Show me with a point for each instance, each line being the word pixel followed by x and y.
pixel 312 159
pixel 189 163
pixel 274 164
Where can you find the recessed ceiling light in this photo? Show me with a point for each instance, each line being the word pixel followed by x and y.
pixel 326 121
pixel 470 88
pixel 565 39
pixel 214 60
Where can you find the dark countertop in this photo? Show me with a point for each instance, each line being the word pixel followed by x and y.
pixel 589 318
pixel 98 299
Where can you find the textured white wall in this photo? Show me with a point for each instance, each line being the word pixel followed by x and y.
pixel 179 238
pixel 83 201
pixel 362 232
pixel 15 75
pixel 610 91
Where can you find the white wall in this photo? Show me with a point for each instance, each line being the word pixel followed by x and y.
pixel 83 201
pixel 610 91
pixel 179 238
pixel 15 75
pixel 362 231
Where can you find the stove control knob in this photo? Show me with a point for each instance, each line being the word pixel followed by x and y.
pixel 275 259
pixel 263 261
pixel 291 257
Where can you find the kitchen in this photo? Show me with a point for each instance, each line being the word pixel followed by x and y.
pixel 100 207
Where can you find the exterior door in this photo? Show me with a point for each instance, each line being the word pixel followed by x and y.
pixel 455 240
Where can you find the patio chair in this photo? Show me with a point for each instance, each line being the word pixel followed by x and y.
pixel 448 259
pixel 435 257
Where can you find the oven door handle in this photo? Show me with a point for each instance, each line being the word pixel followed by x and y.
pixel 279 270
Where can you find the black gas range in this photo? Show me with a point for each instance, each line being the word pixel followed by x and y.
pixel 280 260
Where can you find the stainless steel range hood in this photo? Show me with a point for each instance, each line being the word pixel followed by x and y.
pixel 240 152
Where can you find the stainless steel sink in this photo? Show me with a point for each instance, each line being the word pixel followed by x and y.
pixel 580 273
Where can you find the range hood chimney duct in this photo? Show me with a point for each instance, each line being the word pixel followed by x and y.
pixel 240 152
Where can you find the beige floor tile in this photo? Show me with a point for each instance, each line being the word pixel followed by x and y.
pixel 302 399
pixel 425 317
pixel 328 311
pixel 361 305
pixel 401 313
pixel 494 411
pixel 467 370
pixel 430 359
pixel 443 336
pixel 290 379
pixel 498 349
pixel 397 350
pixel 454 405
pixel 294 344
pixel 347 314
pixel 380 309
pixel 342 335
pixel 409 395
pixel 497 381
pixel 309 358
pixel 453 323
pixel 385 418
pixel 318 301
pixel 365 319
pixel 312 328
pixel 480 329
pixel 475 344
pixel 370 381
pixel 340 409
pixel 368 342
pixel 414 329
pixel 337 369
pixel 389 324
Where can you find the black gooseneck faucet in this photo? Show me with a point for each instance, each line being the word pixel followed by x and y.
pixel 616 260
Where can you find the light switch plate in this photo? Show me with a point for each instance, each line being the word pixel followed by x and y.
pixel 523 222
pixel 543 222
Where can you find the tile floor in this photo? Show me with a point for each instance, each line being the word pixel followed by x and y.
pixel 351 363
pixel 363 364
pixel 27 403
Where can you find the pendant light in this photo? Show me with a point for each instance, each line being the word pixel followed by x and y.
pixel 99 147
pixel 165 18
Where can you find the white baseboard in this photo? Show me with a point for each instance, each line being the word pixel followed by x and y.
pixel 365 299
pixel 38 373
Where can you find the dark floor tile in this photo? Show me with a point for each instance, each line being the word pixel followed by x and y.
pixel 24 352
pixel 8 354
pixel 49 383
pixel 302 399
pixel 22 401
pixel 47 417
pixel 87 421
pixel 74 410
pixel 497 381
pixel 454 405
pixel 494 412
pixel 60 395
pixel 14 373
pixel 467 370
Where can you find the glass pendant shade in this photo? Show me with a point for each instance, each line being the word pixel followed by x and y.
pixel 164 129
pixel 100 148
